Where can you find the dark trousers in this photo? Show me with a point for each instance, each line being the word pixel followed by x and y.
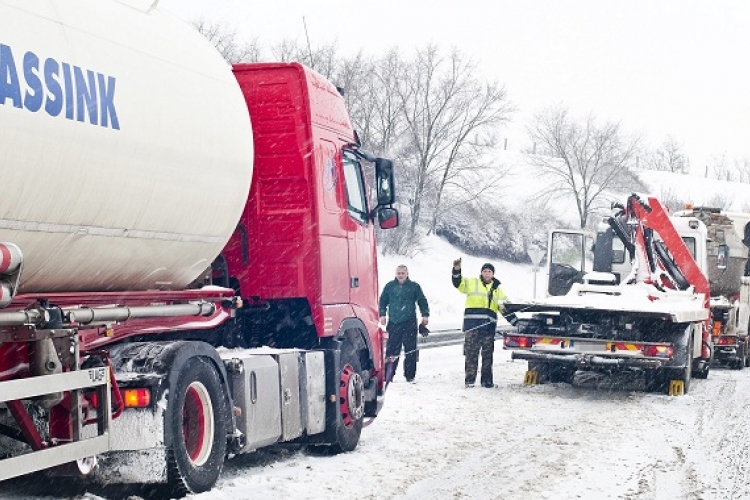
pixel 480 339
pixel 403 334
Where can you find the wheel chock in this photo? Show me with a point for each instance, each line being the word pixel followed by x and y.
pixel 531 377
pixel 676 387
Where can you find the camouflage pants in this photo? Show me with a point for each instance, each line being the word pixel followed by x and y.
pixel 483 340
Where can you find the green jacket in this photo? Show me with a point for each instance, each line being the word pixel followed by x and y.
pixel 399 301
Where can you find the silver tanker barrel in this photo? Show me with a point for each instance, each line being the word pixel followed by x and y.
pixel 126 146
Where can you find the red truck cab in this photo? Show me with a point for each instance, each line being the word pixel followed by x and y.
pixel 303 256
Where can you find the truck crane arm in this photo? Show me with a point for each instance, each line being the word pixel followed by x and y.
pixel 647 232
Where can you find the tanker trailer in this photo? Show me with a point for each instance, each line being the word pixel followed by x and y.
pixel 114 147
pixel 136 247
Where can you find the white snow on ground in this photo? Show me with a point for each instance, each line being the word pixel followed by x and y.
pixel 437 440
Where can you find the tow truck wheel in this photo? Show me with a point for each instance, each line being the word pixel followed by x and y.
pixel 195 428
pixel 655 380
pixel 351 403
pixel 680 378
pixel 540 369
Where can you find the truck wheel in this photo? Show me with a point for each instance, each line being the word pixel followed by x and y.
pixel 196 418
pixel 739 362
pixel 684 374
pixel 351 407
pixel 542 369
pixel 655 380
pixel 560 373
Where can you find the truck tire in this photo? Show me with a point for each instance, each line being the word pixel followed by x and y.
pixel 552 373
pixel 542 370
pixel 656 381
pixel 685 373
pixel 351 407
pixel 742 360
pixel 739 362
pixel 196 416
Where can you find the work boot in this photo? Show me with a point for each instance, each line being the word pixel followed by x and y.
pixel 489 385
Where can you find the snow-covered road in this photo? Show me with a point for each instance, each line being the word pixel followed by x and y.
pixel 436 439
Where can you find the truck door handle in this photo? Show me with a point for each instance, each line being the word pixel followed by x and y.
pixel 354 282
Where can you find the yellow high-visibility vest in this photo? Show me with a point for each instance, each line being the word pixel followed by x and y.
pixel 477 294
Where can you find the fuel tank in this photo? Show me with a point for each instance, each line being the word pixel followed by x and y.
pixel 126 149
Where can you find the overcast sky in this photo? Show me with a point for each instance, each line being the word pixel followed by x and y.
pixel 661 67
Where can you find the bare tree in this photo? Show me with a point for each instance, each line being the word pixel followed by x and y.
pixel 383 123
pixel 720 168
pixel 324 59
pixel 669 157
pixel 585 160
pixel 225 41
pixel 449 118
pixel 742 167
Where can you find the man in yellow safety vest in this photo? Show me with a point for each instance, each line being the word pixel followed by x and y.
pixel 484 299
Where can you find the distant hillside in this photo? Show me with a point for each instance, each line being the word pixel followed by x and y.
pixel 515 216
pixel 675 190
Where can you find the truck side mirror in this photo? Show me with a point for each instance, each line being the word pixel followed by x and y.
pixel 387 217
pixel 722 255
pixel 384 181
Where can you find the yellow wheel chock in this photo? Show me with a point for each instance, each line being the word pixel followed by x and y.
pixel 676 387
pixel 531 377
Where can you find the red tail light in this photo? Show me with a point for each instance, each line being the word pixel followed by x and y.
pixel 518 341
pixel 136 398
pixel 727 340
pixel 658 351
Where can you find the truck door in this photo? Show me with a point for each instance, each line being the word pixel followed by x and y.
pixel 334 244
pixel 571 255
pixel 362 256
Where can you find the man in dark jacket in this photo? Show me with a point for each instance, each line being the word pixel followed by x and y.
pixel 398 301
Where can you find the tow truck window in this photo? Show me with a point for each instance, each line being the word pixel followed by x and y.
pixel 618 251
pixel 567 250
pixel 355 188
pixel 571 256
pixel 690 243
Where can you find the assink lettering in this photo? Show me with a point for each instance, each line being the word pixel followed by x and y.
pixel 59 88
